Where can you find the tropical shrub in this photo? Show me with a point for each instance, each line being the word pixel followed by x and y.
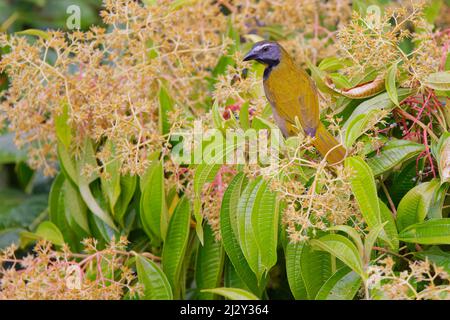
pixel 102 115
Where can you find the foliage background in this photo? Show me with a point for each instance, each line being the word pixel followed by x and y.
pixel 25 189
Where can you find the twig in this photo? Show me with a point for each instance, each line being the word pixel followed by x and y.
pixel 391 203
pixel 415 120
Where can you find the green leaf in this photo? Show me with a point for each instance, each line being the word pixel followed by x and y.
pixel 391 87
pixel 75 208
pixel 217 117
pixel 19 210
pixel 63 130
pixel 365 190
pixel 315 267
pixel 93 206
pixel 443 156
pixel 246 227
pixel 165 106
pixel 35 33
pixel 209 264
pixel 50 232
pixel 379 102
pixel 57 212
pixel 416 204
pixel 342 285
pixel 343 249
pixel 432 10
pixel 390 228
pixel 370 240
pixel 154 213
pixel 67 164
pixel 127 188
pixel 264 218
pixel 156 285
pixel 434 231
pixel 176 243
pixel 233 293
pixel 87 160
pixel 438 81
pixel 340 80
pixel 394 153
pixel 354 235
pixel 403 181
pixel 358 126
pixel 228 230
pixel 231 279
pixel 333 64
pixel 244 116
pixel 294 271
pixel 111 179
pixel 259 123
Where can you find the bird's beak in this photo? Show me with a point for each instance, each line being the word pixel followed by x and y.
pixel 250 56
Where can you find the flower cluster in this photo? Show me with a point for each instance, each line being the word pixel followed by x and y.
pixel 48 274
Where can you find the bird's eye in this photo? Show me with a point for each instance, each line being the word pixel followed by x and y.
pixel 265 49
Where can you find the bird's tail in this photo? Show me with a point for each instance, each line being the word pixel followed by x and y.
pixel 328 146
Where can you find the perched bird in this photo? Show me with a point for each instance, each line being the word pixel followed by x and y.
pixel 292 94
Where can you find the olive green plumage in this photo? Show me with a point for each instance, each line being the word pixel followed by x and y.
pixel 294 98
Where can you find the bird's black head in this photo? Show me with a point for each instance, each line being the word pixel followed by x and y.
pixel 265 52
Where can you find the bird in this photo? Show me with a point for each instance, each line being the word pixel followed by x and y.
pixel 294 98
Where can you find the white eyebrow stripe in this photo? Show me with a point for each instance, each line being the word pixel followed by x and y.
pixel 261 46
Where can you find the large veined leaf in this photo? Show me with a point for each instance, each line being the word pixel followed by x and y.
pixel 342 285
pixel 390 228
pixel 94 207
pixel 228 230
pixel 62 127
pixel 315 267
pixel 175 246
pixel 380 102
pixel 390 85
pixel 127 188
pixel 111 179
pixel 439 81
pixel 156 285
pixel 403 181
pixel 204 173
pixel 154 213
pixel 353 234
pixel 246 229
pixel 294 270
pixel 75 208
pixel 50 232
pixel 57 212
pixel 231 279
pixel 442 154
pixel 415 205
pixel 265 221
pixel 343 249
pixel 19 210
pixel 434 231
pixel 209 265
pixel 365 191
pixel 233 293
pixel 67 164
pixel 370 240
pixel 357 126
pixel 393 154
